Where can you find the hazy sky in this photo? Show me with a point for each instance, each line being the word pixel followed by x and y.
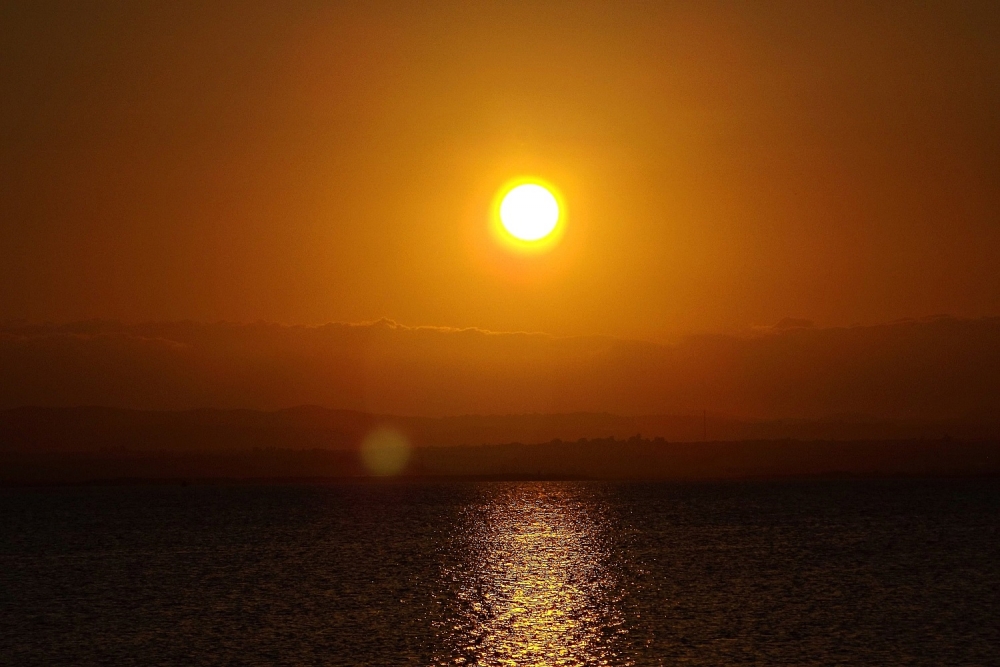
pixel 723 165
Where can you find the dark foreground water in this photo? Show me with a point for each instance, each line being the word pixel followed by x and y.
pixel 532 573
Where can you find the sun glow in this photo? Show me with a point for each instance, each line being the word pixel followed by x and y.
pixel 529 214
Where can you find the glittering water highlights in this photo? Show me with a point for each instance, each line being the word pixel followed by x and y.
pixel 535 586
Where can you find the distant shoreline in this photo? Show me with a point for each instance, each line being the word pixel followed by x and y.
pixel 82 445
pixel 454 479
pixel 606 459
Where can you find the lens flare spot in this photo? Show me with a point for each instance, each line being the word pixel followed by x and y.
pixel 385 452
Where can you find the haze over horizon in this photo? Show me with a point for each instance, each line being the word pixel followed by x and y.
pixel 935 368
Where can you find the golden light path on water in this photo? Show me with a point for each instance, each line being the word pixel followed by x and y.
pixel 534 587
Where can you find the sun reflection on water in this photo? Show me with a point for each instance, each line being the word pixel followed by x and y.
pixel 534 587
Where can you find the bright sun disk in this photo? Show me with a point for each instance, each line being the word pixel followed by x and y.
pixel 529 212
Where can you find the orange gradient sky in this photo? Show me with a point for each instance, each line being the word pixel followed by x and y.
pixel 723 165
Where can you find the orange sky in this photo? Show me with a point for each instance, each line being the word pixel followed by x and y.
pixel 724 165
pixel 932 369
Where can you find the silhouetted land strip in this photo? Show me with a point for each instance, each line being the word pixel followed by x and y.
pixel 86 445
pixel 36 429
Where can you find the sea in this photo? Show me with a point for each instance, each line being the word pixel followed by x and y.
pixel 845 572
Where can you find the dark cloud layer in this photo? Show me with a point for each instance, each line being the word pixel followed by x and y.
pixel 937 368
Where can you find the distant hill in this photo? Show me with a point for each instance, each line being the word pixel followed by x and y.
pixel 90 429
pixel 93 443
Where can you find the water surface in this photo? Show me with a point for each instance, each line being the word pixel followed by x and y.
pixel 503 573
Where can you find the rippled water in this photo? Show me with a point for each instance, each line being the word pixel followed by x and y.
pixel 533 573
pixel 536 584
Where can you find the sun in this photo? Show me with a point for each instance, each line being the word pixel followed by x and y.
pixel 529 212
